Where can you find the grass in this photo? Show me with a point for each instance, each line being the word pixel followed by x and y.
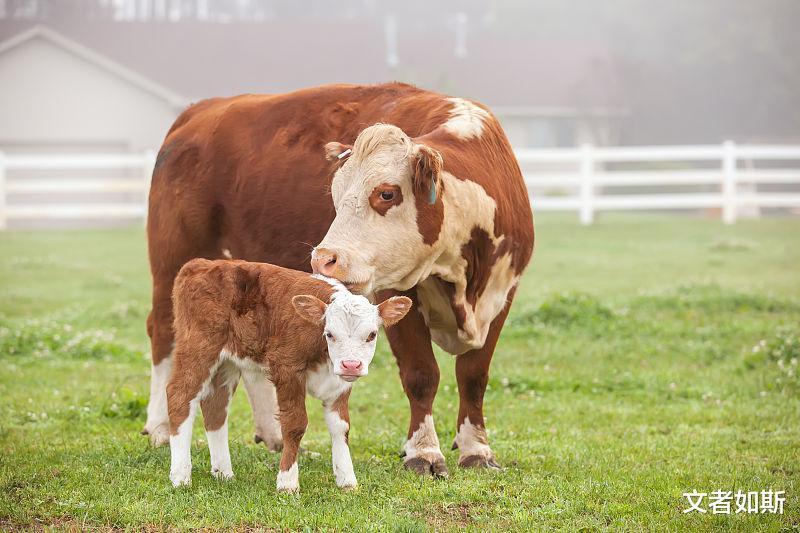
pixel 645 357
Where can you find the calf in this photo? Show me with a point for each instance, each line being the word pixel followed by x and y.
pixel 260 321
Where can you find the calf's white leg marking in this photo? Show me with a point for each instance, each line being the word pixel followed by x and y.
pixel 218 447
pixel 289 481
pixel 157 425
pixel 342 463
pixel 180 444
pixel 264 402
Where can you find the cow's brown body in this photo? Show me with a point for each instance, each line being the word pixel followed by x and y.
pixel 246 177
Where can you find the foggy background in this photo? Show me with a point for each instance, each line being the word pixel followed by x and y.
pixel 614 72
pixel 88 89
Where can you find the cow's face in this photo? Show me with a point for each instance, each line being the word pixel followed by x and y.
pixel 375 241
pixel 350 325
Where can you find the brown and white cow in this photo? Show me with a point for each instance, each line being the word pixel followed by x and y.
pixel 299 331
pixel 429 202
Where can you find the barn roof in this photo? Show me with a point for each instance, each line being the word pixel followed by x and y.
pixel 41 32
pixel 197 60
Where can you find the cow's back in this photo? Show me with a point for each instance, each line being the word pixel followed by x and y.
pixel 246 176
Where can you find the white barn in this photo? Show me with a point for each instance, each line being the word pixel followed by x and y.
pixel 58 96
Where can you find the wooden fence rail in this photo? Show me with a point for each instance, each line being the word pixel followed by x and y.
pixel 587 179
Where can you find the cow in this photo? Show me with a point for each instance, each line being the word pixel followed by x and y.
pixel 301 332
pixel 403 191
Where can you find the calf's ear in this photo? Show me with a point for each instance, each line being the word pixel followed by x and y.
pixel 334 151
pixel 427 168
pixel 394 309
pixel 310 308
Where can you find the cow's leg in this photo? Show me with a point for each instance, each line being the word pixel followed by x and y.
pixel 337 416
pixel 261 393
pixel 215 419
pixel 159 328
pixel 294 420
pixel 410 341
pixel 472 374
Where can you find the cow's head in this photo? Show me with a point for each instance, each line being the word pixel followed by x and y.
pixel 384 192
pixel 350 324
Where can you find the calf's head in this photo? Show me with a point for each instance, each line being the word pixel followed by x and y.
pixel 350 325
pixel 385 194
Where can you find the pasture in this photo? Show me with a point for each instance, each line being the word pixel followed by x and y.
pixel 645 356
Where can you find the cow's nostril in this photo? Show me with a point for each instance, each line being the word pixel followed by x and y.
pixel 331 261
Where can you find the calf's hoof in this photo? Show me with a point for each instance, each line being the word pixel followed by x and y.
pixel 273 445
pixel 222 474
pixel 433 466
pixel 181 478
pixel 159 435
pixel 478 461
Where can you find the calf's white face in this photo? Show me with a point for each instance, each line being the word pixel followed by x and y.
pixel 350 325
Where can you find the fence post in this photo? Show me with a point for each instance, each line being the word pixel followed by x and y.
pixel 729 206
pixel 3 214
pixel 587 185
pixel 148 165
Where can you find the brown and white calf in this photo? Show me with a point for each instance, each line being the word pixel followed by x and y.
pixel 300 332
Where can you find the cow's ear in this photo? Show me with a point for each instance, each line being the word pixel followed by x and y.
pixel 310 308
pixel 334 151
pixel 394 309
pixel 427 170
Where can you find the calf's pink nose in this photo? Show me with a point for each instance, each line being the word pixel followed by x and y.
pixel 351 365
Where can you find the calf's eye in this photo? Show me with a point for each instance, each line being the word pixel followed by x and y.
pixel 329 335
pixel 387 196
pixel 372 336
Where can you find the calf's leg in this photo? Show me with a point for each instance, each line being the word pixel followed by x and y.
pixel 294 420
pixel 215 419
pixel 261 393
pixel 472 375
pixel 410 341
pixel 191 371
pixel 337 417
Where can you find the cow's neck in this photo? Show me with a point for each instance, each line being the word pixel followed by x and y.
pixel 469 275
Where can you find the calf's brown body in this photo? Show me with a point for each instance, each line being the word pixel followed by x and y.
pixel 234 315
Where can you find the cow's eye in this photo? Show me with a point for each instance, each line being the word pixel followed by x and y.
pixel 372 336
pixel 329 336
pixel 387 196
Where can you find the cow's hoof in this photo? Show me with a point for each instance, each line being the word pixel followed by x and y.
pixel 435 467
pixel 273 445
pixel 159 436
pixel 478 461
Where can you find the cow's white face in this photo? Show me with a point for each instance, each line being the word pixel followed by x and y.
pixel 351 325
pixel 375 241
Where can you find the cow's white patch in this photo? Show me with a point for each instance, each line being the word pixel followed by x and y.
pixel 424 442
pixel 227 253
pixel 157 425
pixel 220 453
pixel 340 451
pixel 466 119
pixel 180 445
pixel 472 441
pixel 264 403
pixel 289 480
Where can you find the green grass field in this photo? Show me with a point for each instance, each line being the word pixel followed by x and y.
pixel 645 357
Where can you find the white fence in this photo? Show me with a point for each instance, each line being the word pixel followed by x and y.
pixel 586 180
pixel 593 182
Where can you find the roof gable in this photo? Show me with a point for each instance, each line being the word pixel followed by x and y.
pixel 41 32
